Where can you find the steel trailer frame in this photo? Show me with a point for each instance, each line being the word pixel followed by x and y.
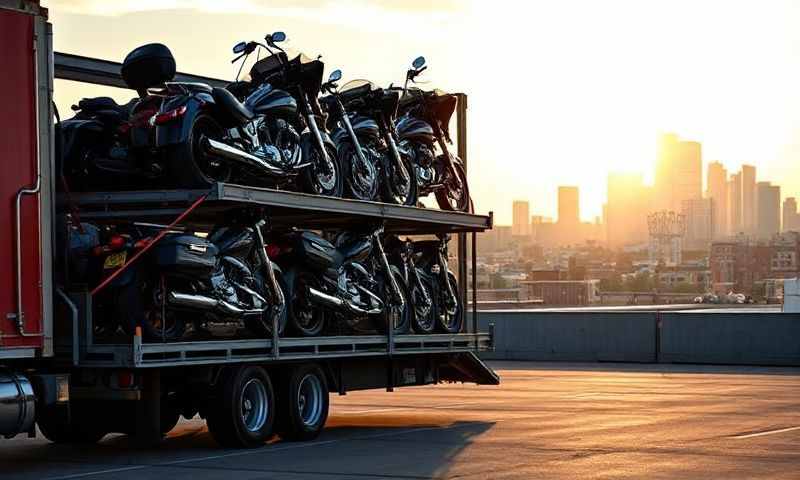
pixel 284 209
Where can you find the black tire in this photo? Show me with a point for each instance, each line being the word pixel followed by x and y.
pixel 449 319
pixel 359 187
pixel 313 178
pixel 303 403
pixel 189 164
pixel 242 414
pixel 395 192
pixel 450 197
pixel 263 327
pixel 304 319
pixel 424 315
pixel 76 424
pixel 138 303
pixel 403 318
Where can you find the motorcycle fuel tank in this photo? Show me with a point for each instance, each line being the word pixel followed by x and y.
pixel 410 128
pixel 266 99
pixel 315 251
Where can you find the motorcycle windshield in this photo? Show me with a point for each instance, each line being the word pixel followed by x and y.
pixel 355 89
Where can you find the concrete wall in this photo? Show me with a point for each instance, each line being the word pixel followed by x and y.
pixel 620 337
pixel 683 337
pixel 730 338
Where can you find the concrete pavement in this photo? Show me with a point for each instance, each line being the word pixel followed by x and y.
pixel 544 421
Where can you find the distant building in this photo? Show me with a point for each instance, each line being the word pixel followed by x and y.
pixel 520 218
pixel 699 215
pixel 791 218
pixel 568 206
pixel 749 199
pixel 563 292
pixel 739 266
pixel 679 172
pixel 735 224
pixel 769 210
pixel 717 191
pixel 626 210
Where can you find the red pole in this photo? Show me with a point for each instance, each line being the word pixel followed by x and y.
pixel 147 247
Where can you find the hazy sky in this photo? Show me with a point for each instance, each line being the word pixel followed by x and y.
pixel 560 91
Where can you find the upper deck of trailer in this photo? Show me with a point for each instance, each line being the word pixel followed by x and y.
pixel 283 209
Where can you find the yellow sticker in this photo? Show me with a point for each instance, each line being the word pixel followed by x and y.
pixel 115 260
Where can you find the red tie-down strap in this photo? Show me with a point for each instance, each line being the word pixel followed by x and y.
pixel 149 245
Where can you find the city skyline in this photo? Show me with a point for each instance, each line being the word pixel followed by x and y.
pixel 681 174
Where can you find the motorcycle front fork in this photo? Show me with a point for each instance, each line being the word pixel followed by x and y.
pixel 353 138
pixel 444 277
pixel 397 296
pixel 276 296
pixel 450 164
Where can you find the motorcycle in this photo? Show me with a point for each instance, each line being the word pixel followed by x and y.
pixel 421 284
pixel 299 80
pixel 111 146
pixel 432 263
pixel 367 140
pixel 209 282
pixel 351 280
pixel 423 123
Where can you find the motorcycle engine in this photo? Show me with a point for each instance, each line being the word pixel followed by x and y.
pixel 424 155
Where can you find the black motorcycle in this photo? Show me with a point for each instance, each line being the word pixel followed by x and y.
pixel 351 280
pixel 223 279
pixel 365 115
pixel 425 122
pixel 432 264
pixel 421 284
pixel 107 146
pixel 299 80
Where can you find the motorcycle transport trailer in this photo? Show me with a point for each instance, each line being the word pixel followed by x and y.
pixel 53 371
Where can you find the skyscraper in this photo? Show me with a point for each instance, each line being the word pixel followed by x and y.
pixel 568 207
pixel 749 199
pixel 520 218
pixel 699 216
pixel 679 172
pixel 769 210
pixel 629 202
pixel 718 193
pixel 735 224
pixel 791 219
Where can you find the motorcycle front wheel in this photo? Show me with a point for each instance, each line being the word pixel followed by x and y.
pixel 450 316
pixel 263 326
pixel 400 318
pixel 318 178
pixel 454 197
pixel 424 312
pixel 190 164
pixel 399 182
pixel 304 318
pixel 361 181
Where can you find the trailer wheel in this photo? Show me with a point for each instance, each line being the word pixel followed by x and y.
pixel 243 408
pixel 303 404
pixel 59 425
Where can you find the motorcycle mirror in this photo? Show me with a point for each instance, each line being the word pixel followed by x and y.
pixel 418 62
pixel 239 47
pixel 276 37
pixel 335 76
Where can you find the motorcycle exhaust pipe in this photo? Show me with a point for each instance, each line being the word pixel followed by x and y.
pixel 336 303
pixel 204 303
pixel 224 150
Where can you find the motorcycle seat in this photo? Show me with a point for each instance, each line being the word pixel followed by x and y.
pixel 102 104
pixel 230 107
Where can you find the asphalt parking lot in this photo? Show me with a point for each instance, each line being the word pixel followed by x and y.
pixel 544 421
